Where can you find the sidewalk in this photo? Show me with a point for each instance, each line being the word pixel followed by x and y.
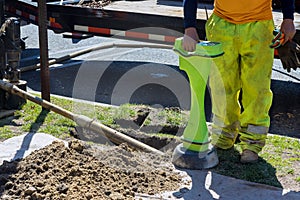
pixel 204 184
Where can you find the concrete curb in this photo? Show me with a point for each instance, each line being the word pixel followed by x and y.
pixel 207 185
pixel 20 146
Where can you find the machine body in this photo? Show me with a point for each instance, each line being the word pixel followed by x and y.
pixel 195 152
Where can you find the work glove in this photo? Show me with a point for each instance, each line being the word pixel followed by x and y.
pixel 288 55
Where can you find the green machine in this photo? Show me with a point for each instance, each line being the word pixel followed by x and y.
pixel 195 151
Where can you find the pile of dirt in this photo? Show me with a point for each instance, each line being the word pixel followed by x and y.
pixel 87 172
pixel 96 3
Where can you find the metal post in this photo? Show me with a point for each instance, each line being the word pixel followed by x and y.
pixel 43 41
pixel 1 11
pixel 2 48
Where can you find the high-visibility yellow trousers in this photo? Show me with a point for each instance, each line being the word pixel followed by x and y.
pixel 245 69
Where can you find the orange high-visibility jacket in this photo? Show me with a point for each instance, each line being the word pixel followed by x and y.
pixel 243 11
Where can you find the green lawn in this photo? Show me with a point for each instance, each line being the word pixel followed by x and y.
pixel 279 162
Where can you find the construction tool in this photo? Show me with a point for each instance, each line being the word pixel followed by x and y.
pixel 10 56
pixel 195 151
pixel 95 48
pixel 81 120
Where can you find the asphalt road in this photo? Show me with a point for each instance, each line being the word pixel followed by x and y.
pixel 132 75
pixel 153 75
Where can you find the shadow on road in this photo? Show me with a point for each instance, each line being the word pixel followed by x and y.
pixel 119 82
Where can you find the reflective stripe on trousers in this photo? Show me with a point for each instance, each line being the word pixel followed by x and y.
pixel 246 66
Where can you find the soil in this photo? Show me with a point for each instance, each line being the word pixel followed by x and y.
pixel 96 3
pixel 285 122
pixel 82 171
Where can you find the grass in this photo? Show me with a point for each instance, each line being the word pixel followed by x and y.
pixel 174 117
pixel 32 118
pixel 43 121
pixel 125 111
pixel 279 160
pixel 6 133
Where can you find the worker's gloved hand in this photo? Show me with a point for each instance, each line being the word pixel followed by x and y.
pixel 288 55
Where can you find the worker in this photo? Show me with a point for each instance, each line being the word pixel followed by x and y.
pixel 245 30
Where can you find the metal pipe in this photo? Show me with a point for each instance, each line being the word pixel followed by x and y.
pixel 43 41
pixel 110 45
pixel 90 49
pixel 81 120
